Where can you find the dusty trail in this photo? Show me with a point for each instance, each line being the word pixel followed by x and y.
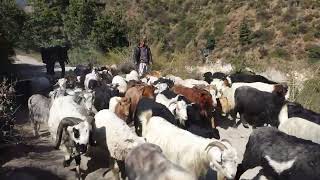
pixel 36 159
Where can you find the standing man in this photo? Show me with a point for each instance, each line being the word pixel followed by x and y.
pixel 142 57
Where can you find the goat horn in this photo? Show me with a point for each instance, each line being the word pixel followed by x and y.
pixel 216 144
pixel 65 122
pixel 226 140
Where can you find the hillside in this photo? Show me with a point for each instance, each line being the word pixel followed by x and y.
pixel 277 32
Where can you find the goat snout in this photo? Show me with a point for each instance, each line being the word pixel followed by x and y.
pixel 82 148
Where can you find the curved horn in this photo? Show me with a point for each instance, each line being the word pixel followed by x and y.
pixel 226 140
pixel 216 144
pixel 65 122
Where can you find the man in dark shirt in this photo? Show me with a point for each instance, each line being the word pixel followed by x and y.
pixel 142 57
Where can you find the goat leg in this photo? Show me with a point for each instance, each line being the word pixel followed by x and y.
pixel 78 170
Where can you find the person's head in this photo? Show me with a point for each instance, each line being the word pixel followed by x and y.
pixel 143 41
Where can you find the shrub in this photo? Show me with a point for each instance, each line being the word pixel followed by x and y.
pixel 280 53
pixel 244 33
pixel 262 36
pixel 313 53
pixel 7 109
pixel 211 42
pixel 219 28
pixel 109 32
pixel 309 96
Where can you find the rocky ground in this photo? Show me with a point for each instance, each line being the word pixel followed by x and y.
pixel 35 158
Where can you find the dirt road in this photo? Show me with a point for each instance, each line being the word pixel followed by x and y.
pixel 36 159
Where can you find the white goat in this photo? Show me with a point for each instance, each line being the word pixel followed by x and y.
pixel 194 153
pixel 68 116
pixel 39 107
pixel 133 75
pixel 120 83
pixel 60 89
pixel 113 133
pixel 113 103
pixel 298 127
pixel 147 162
pixel 91 76
pixel 177 107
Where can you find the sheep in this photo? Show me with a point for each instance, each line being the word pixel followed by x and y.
pixel 121 83
pixel 39 107
pixel 147 162
pixel 191 152
pixel 281 156
pixel 115 136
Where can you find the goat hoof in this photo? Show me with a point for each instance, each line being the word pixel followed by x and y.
pixel 66 163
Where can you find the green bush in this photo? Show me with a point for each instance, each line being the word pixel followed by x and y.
pixel 262 36
pixel 280 53
pixel 12 19
pixel 219 28
pixel 244 33
pixel 79 21
pixel 313 53
pixel 109 32
pixel 309 96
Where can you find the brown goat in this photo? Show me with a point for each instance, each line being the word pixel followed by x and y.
pixel 198 96
pixel 122 109
pixel 136 93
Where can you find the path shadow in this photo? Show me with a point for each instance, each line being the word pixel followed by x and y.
pixel 13 151
pixel 27 173
pixel 224 122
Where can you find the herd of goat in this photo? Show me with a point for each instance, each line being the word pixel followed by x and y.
pixel 164 127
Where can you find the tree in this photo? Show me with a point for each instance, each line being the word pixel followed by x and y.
pixel 44 25
pixel 244 34
pixel 78 21
pixel 11 18
pixel 109 32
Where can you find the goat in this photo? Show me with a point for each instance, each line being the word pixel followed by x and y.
pixel 300 122
pixel 74 135
pixel 147 162
pixel 115 136
pixel 194 153
pixel 39 107
pixel 281 156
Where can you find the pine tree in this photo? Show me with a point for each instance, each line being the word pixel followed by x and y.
pixel 244 34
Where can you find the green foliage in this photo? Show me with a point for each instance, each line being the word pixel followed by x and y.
pixel 219 28
pixel 211 42
pixel 309 96
pixel 238 63
pixel 262 36
pixel 109 32
pixel 280 53
pixel 44 25
pixel 12 19
pixel 313 53
pixel 79 21
pixel 244 33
